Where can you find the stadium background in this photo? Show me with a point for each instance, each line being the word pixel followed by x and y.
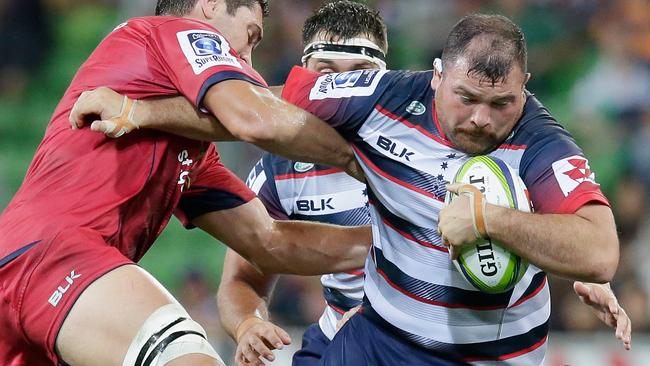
pixel 590 61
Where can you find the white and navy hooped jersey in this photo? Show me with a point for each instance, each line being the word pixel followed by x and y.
pixel 411 285
pixel 293 190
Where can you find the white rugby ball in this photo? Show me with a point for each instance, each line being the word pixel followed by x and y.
pixel 487 266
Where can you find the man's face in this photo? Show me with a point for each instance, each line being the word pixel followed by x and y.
pixel 475 115
pixel 243 30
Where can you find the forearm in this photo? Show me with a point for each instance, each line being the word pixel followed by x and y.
pixel 304 248
pixel 176 115
pixel 566 245
pixel 243 293
pixel 253 114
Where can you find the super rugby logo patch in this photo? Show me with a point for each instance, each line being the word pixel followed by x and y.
pixel 205 49
pixel 571 172
pixel 347 84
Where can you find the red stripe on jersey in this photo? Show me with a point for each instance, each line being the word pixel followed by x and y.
pixel 512 147
pixel 355 273
pixel 509 355
pixel 434 302
pixel 393 179
pixel 412 238
pixel 408 124
pixel 531 295
pixel 313 173
pixel 337 309
pixel 437 122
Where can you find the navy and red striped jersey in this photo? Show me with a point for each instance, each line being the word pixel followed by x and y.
pixel 293 190
pixel 411 284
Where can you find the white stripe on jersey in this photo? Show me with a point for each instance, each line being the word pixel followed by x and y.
pixel 449 325
pixel 258 182
pixel 428 153
pixel 403 202
pixel 327 322
pixel 346 189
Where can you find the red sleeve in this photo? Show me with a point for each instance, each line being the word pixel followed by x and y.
pixel 196 56
pixel 212 188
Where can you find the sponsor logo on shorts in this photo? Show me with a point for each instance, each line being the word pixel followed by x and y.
pixel 63 288
pixel 204 49
pixel 571 172
pixel 346 84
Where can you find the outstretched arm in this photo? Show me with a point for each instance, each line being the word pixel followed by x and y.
pixel 246 112
pixel 580 246
pixel 243 299
pixel 293 247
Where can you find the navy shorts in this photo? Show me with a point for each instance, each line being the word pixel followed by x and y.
pixel 314 343
pixel 363 342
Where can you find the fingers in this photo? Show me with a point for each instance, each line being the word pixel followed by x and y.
pixel 259 341
pixel 583 291
pixel 83 107
pixel 624 328
pixel 285 338
pixel 454 187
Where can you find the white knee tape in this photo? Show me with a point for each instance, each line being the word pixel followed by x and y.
pixel 167 334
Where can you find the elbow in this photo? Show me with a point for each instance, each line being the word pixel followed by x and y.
pixel 603 267
pixel 250 127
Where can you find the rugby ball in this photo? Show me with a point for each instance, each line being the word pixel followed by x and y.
pixel 487 266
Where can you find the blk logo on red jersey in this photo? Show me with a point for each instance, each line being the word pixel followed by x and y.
pixel 63 288
pixel 571 172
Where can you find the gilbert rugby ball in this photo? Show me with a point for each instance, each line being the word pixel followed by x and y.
pixel 486 265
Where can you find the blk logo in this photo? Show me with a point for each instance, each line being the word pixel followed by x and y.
pixel 315 205
pixel 63 288
pixel 388 145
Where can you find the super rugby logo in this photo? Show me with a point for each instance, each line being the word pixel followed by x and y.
pixel 204 49
pixel 63 288
pixel 347 84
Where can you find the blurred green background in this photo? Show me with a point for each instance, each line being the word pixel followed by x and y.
pixel 590 61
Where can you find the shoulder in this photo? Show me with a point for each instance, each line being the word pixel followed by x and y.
pixel 538 125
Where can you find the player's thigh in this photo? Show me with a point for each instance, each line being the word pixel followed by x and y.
pixel 106 318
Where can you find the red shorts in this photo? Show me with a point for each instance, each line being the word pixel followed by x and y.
pixel 40 285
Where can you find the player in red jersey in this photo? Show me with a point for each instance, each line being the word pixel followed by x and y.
pixel 90 207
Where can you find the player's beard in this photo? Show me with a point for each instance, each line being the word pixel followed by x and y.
pixel 474 141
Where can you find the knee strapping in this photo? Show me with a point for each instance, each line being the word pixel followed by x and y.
pixel 167 334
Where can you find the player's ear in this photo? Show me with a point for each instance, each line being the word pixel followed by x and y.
pixel 437 74
pixel 211 8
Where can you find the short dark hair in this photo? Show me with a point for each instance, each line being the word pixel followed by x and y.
pixel 501 45
pixel 345 19
pixel 183 7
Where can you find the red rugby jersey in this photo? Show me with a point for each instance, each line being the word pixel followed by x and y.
pixel 127 189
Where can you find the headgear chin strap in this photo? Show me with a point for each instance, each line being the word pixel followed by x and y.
pixel 353 48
